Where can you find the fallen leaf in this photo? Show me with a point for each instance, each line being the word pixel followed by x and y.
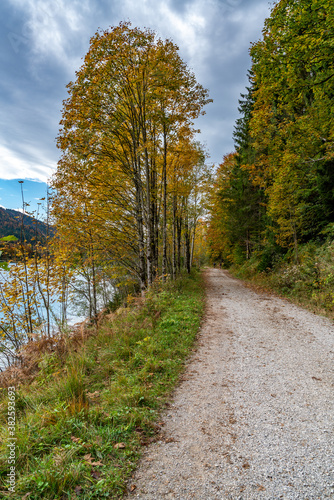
pixel 75 440
pixel 98 440
pixel 78 490
pixel 170 440
pixel 92 395
pixel 89 459
pixel 119 446
pixel 95 474
pixel 133 487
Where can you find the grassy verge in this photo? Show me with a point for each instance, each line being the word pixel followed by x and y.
pixel 310 283
pixel 81 423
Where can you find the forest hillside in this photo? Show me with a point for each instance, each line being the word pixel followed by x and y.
pixel 13 222
pixel 272 205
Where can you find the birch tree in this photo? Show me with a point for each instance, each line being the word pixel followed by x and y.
pixel 131 96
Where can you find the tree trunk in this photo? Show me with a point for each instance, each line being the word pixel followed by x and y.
pixel 174 239
pixel 94 287
pixel 149 256
pixel 178 242
pixel 154 215
pixel 164 213
pixel 140 232
pixel 192 245
pixel 187 244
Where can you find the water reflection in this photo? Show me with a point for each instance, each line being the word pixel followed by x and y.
pixel 49 312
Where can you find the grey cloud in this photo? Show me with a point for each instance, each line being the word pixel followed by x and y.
pixel 213 36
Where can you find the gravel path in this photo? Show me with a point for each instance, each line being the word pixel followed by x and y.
pixel 252 418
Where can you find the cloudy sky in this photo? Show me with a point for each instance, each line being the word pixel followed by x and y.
pixel 43 41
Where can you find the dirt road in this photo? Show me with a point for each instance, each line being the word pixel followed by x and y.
pixel 253 416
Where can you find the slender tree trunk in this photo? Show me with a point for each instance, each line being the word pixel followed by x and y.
pixel 26 296
pixel 48 265
pixel 94 291
pixel 193 244
pixel 153 202
pixel 179 234
pixel 140 231
pixel 63 300
pixel 187 244
pixel 187 238
pixel 174 239
pixel 149 226
pixel 149 256
pixel 89 290
pixel 154 215
pixel 164 213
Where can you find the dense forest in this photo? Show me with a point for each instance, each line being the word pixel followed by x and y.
pixel 276 191
pixel 272 203
pixel 22 226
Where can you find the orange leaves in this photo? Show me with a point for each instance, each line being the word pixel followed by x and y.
pixel 133 99
pixel 88 458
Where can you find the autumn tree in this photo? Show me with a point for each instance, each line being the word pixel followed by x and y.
pixel 292 120
pixel 237 211
pixel 130 99
pixel 219 240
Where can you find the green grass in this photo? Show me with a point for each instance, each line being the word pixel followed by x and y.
pixel 83 420
pixel 310 283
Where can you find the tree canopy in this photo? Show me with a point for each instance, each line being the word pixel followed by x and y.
pixel 126 176
pixel 284 138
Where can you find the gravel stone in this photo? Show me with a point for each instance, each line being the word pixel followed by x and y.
pixel 253 415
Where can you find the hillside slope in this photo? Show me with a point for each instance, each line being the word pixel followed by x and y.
pixel 11 224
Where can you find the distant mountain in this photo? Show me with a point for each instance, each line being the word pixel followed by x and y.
pixel 33 192
pixel 11 223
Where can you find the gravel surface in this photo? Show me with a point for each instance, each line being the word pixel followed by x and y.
pixel 253 415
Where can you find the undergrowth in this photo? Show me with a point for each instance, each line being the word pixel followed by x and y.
pixel 309 283
pixel 82 421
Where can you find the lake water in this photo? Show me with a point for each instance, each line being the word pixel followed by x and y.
pixel 76 310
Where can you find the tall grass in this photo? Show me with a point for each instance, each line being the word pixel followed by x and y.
pixel 309 283
pixel 83 420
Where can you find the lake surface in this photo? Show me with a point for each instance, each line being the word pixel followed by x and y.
pixel 76 310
